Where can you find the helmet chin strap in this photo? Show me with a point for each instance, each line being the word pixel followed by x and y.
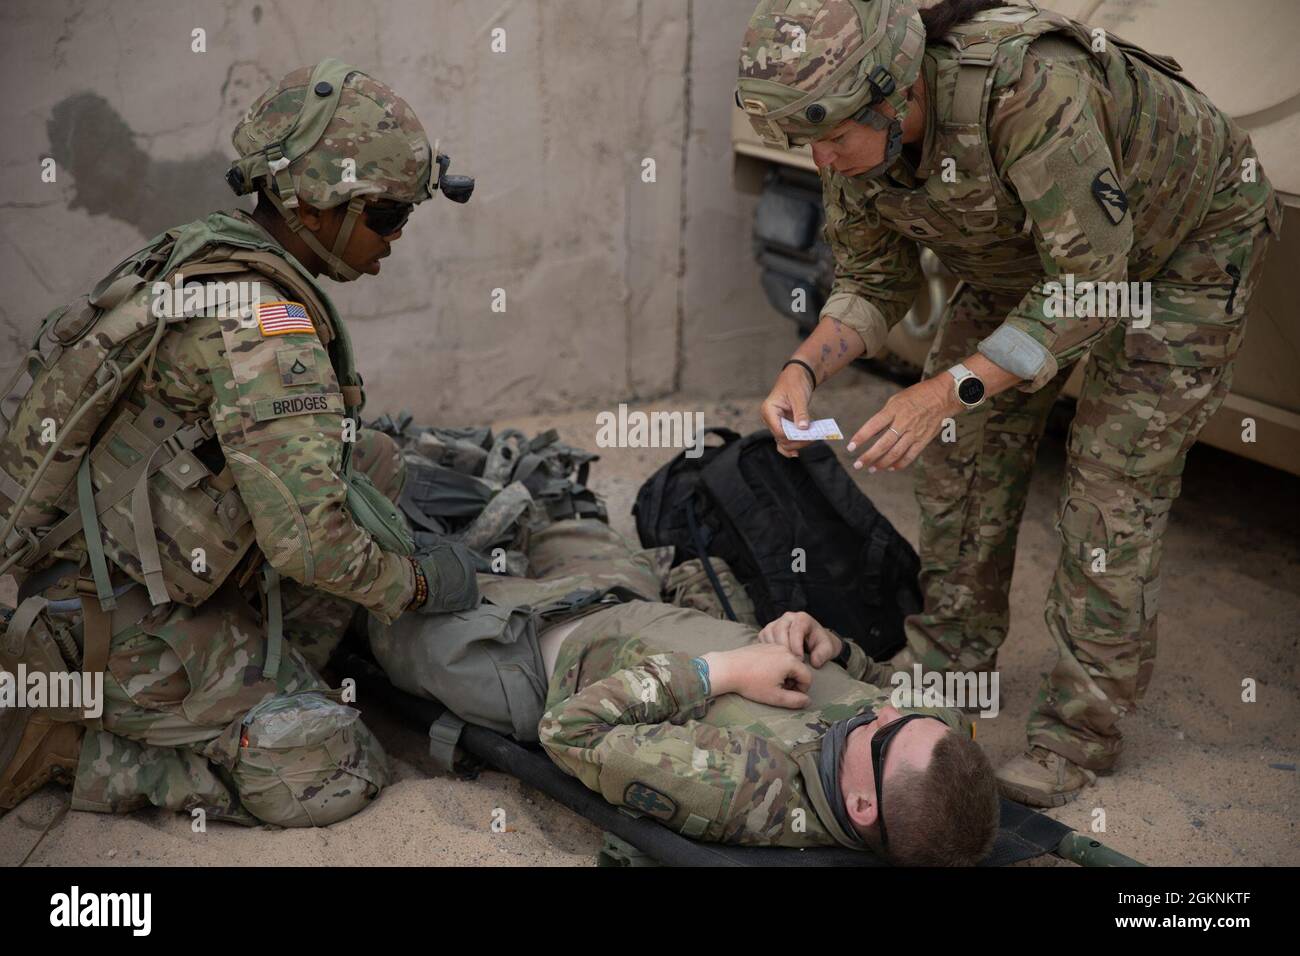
pixel 335 267
pixel 894 139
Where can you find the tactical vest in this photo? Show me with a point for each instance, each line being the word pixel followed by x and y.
pixel 90 494
pixel 975 223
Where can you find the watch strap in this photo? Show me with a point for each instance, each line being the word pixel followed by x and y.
pixel 842 658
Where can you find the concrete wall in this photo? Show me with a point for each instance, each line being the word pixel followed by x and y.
pixel 616 288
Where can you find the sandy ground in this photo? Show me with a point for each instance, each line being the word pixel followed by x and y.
pixel 1206 778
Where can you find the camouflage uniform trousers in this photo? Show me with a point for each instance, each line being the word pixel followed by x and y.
pixel 1143 402
pixel 190 721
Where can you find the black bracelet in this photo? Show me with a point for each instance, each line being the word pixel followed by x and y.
pixel 805 366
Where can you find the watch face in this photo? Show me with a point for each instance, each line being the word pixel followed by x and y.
pixel 970 390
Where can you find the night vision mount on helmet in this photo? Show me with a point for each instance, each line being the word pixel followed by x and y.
pixel 331 136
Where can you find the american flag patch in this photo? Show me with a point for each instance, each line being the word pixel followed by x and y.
pixel 281 318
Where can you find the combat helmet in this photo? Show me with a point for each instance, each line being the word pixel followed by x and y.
pixel 808 65
pixel 330 135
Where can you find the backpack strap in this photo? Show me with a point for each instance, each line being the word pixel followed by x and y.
pixel 9 487
pixel 702 549
pixel 94 537
pixel 116 292
pixel 723 481
pixel 97 629
pixel 146 537
pixel 974 78
pixel 20 623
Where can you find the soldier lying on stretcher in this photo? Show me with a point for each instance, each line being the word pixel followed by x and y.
pixel 721 731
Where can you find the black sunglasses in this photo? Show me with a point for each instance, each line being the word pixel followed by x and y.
pixel 879 744
pixel 385 218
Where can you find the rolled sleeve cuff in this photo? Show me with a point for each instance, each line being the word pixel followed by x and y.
pixel 1020 354
pixel 683 682
pixel 862 317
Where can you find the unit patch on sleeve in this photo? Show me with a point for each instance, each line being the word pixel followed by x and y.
pixel 283 318
pixel 650 801
pixel 1110 196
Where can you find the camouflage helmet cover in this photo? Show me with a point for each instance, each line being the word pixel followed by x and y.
pixel 808 65
pixel 320 117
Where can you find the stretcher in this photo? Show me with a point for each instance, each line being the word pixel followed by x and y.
pixel 638 840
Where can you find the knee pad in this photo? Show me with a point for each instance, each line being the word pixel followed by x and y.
pixel 305 760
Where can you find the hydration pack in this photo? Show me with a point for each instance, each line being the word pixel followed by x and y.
pixel 798 533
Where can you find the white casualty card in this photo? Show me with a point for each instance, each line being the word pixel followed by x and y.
pixel 822 428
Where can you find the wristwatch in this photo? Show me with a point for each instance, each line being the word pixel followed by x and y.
pixel 842 658
pixel 969 386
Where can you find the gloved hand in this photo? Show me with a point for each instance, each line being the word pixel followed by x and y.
pixel 449 570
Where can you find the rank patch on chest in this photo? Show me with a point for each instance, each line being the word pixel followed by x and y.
pixel 1110 196
pixel 297 366
pixel 649 801
pixel 284 318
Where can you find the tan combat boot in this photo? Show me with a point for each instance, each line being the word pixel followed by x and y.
pixel 1040 778
pixel 47 750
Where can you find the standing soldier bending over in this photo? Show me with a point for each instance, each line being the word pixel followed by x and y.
pixel 1032 157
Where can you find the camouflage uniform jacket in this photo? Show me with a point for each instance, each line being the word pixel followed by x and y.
pixel 1042 157
pixel 277 410
pixel 627 714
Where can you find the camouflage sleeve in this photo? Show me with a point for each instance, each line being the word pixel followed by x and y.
pixel 1050 141
pixel 278 414
pixel 858 663
pixel 877 270
pixel 635 738
pixel 952 716
pixel 867 669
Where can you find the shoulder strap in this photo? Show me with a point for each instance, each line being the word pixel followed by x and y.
pixel 974 71
pixel 976 43
pixel 724 482
pixel 702 549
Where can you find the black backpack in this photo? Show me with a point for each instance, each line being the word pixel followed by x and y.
pixel 744 502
